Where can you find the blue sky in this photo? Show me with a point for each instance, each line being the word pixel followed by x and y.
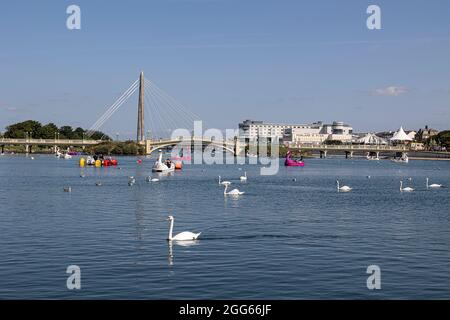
pixel 229 60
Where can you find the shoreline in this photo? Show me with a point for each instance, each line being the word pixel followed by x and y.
pixel 430 158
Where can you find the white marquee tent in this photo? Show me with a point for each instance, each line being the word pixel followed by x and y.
pixel 401 136
pixel 371 138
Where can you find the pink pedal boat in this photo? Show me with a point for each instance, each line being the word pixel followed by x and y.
pixel 292 162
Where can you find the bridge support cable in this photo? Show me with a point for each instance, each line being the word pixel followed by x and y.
pixel 119 102
pixel 159 126
pixel 171 114
pixel 165 114
pixel 169 119
pixel 172 102
pixel 113 108
pixel 149 116
pixel 178 117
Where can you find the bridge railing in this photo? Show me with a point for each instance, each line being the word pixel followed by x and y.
pixel 48 141
pixel 352 147
pixel 194 139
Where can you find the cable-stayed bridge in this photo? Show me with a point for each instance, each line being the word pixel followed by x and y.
pixel 164 115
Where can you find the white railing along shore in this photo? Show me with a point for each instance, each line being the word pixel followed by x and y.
pixel 49 141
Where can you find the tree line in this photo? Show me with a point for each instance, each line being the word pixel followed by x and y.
pixel 35 130
pixel 441 139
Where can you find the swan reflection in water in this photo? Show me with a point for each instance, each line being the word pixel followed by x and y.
pixel 181 244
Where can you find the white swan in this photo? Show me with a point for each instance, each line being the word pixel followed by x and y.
pixel 234 192
pixel 344 188
pixel 244 177
pixel 434 185
pixel 407 189
pixel 150 179
pixel 222 183
pixel 184 236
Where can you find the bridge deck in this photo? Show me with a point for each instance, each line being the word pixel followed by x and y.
pixel 49 142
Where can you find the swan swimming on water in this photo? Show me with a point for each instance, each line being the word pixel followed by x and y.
pixel 244 177
pixel 222 183
pixel 407 189
pixel 434 185
pixel 234 192
pixel 344 188
pixel 150 179
pixel 183 236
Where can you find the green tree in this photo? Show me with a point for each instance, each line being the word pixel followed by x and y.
pixel 19 130
pixel 48 131
pixel 66 132
pixel 443 139
pixel 104 148
pixel 130 148
pixel 117 150
pixel 98 135
pixel 78 133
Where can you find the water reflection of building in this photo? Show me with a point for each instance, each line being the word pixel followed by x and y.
pixel 314 133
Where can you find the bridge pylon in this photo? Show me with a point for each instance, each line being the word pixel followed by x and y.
pixel 140 136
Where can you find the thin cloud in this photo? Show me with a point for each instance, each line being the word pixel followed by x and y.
pixel 392 91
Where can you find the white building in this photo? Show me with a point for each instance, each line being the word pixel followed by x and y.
pixel 314 133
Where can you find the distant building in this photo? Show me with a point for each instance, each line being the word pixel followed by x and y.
pixel 426 133
pixel 314 133
pixel 254 130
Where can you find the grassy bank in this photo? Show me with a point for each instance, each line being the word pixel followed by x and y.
pixel 117 148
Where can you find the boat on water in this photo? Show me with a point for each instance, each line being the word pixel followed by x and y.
pixel 98 161
pixel 290 162
pixel 166 166
pixel 90 161
pixel 372 156
pixel 401 158
pixel 62 155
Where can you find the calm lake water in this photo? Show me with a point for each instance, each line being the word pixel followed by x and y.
pixel 283 239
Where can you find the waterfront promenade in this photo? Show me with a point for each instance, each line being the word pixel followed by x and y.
pixel 28 143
